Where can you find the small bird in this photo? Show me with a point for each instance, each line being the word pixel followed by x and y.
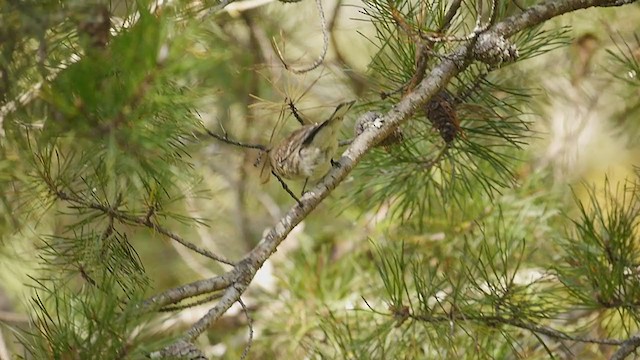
pixel 307 152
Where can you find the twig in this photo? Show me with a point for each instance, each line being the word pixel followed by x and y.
pixel 478 29
pixel 325 46
pixel 124 217
pixel 207 239
pixel 203 270
pixel 294 111
pixel 424 44
pixel 518 5
pixel 286 187
pixel 345 142
pixel 176 237
pixel 545 330
pixel 226 139
pixel 386 94
pixel 245 352
pixel 493 14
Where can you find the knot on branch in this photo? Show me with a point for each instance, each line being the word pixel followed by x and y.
pixel 494 50
pixel 375 120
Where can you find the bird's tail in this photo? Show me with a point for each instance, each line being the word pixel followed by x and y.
pixel 341 110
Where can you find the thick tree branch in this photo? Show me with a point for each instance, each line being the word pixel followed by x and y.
pixel 539 13
pixel 427 88
pixel 195 288
pixel 628 346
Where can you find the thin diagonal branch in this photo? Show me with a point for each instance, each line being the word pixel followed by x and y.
pixel 144 220
pixel 628 346
pixel 245 352
pixel 226 139
pixel 448 17
pixel 325 46
pixel 176 237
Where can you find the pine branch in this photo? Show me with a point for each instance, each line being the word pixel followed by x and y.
pixel 451 65
pixel 628 346
pixel 245 352
pixel 190 305
pixel 145 221
pixel 534 328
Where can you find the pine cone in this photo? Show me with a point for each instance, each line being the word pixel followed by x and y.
pixel 441 111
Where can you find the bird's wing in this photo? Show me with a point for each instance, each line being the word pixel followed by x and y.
pixel 336 117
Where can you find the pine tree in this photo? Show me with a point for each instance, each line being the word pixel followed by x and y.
pixel 133 218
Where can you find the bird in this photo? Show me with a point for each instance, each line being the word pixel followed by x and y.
pixel 306 154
